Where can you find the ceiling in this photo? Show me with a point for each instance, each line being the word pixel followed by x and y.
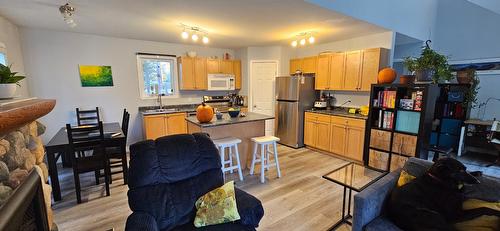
pixel 230 23
pixel 493 5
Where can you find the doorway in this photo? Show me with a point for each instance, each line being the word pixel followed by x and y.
pixel 262 86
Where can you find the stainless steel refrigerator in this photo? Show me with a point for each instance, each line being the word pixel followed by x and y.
pixel 294 95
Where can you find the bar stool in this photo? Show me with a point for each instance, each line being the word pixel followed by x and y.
pixel 232 144
pixel 265 142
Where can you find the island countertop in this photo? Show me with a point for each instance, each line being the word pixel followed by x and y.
pixel 227 120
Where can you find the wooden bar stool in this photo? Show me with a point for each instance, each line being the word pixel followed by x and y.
pixel 265 142
pixel 232 144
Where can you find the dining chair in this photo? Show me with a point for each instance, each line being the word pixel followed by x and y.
pixel 87 153
pixel 118 156
pixel 87 117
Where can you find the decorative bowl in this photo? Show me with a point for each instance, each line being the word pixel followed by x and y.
pixel 234 113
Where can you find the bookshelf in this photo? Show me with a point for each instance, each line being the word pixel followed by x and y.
pixel 450 113
pixel 399 123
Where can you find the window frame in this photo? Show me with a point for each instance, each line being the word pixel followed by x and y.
pixel 140 74
pixel 3 50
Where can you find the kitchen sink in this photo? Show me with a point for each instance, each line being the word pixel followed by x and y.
pixel 153 111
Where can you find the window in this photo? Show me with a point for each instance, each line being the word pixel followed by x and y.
pixel 3 57
pixel 157 75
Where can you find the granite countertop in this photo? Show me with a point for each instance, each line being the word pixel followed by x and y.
pixel 227 120
pixel 339 112
pixel 168 109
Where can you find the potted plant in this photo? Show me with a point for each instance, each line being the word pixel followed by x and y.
pixel 430 66
pixel 411 65
pixel 8 82
pixel 470 97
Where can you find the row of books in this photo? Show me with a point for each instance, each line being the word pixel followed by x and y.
pixel 453 110
pixel 385 99
pixel 385 119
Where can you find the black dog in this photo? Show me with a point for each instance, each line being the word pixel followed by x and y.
pixel 434 201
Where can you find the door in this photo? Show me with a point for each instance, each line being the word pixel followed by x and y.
pixel 237 73
pixel 187 76
pixel 322 77
pixel 295 65
pixel 176 123
pixel 287 88
pixel 309 64
pixel 226 67
pixel 323 135
pixel 337 139
pixel 154 126
pixel 354 143
pixel 287 127
pixel 309 133
pixel 337 66
pixel 263 74
pixel 213 66
pixel 200 73
pixel 370 68
pixel 352 70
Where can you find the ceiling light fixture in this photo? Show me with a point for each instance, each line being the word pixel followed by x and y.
pixel 195 33
pixel 67 11
pixel 304 37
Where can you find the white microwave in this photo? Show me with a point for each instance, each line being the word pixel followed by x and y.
pixel 221 82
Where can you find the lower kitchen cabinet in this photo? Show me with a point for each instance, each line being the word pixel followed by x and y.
pixel 164 124
pixel 339 135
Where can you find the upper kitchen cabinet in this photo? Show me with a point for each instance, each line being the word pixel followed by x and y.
pixel 306 64
pixel 372 62
pixel 192 73
pixel 352 71
pixel 237 73
pixel 322 77
pixel 337 69
pixel 295 65
pixel 213 66
pixel 226 67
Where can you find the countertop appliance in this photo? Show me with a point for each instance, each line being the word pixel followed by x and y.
pixel 294 95
pixel 320 104
pixel 221 82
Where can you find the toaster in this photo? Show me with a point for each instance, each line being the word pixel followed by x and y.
pixel 320 104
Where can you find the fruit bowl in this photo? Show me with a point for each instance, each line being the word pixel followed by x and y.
pixel 234 113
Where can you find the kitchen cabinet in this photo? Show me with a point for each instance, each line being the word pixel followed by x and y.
pixel 295 64
pixel 372 62
pixel 213 66
pixel 237 73
pixel 309 64
pixel 352 70
pixel 192 73
pixel 337 66
pixel 322 77
pixel 226 66
pixel 339 135
pixel 164 124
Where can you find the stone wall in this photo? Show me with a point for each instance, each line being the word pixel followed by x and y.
pixel 21 151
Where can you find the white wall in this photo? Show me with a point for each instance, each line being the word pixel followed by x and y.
pixel 384 40
pixel 9 36
pixel 415 18
pixel 466 31
pixel 52 59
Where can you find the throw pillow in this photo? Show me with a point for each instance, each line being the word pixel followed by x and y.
pixel 404 178
pixel 217 206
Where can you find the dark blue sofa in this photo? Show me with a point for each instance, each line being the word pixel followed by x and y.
pixel 168 175
pixel 370 204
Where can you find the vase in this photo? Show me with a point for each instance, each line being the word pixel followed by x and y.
pixel 465 77
pixel 406 79
pixel 424 76
pixel 7 90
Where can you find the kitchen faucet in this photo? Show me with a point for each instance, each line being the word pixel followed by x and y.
pixel 346 102
pixel 159 100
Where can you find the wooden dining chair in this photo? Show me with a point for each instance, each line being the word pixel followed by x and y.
pixel 88 153
pixel 117 156
pixel 87 117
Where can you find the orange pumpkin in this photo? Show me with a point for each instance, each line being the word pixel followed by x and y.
pixel 387 75
pixel 204 113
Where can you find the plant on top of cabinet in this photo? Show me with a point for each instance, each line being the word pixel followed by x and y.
pixel 430 66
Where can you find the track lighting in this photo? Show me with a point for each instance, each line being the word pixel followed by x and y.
pixel 194 37
pixel 294 43
pixel 303 38
pixel 303 42
pixel 185 35
pixel 194 32
pixel 205 39
pixel 311 40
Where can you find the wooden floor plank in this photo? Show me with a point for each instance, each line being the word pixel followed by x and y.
pixel 300 200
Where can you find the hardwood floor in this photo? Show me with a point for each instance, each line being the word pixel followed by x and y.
pixel 300 200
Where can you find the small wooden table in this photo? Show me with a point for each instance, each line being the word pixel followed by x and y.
pixel 355 177
pixel 59 145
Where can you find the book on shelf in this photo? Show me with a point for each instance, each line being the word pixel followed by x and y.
pixel 385 99
pixel 453 110
pixel 385 120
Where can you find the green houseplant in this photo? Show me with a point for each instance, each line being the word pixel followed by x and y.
pixel 430 66
pixel 8 81
pixel 470 97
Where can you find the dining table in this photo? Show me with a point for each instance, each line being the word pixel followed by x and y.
pixel 59 146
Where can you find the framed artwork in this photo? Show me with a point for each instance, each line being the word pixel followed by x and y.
pixel 95 76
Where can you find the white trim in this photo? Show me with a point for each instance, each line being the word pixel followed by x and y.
pixel 175 76
pixel 250 79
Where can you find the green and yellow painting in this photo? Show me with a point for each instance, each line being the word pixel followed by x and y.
pixel 96 76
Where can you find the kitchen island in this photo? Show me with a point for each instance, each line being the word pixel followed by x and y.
pixel 244 128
